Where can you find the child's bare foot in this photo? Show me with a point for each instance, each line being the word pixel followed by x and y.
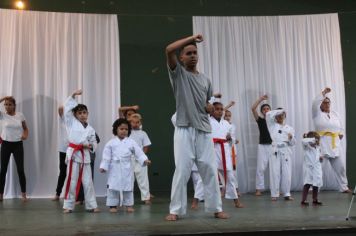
pixel 148 202
pixel 55 198
pixel 273 199
pixel 171 217
pixel 221 215
pixel 195 204
pixel 238 204
pixel 289 198
pixel 24 197
pixel 129 209
pixel 152 196
pixel 79 203
pixel 95 210
pixel 347 191
pixel 67 211
pixel 113 210
pixel 258 192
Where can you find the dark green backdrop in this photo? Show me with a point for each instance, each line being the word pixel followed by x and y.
pixel 146 27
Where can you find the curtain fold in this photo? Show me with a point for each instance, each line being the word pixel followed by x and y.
pixel 289 58
pixel 44 56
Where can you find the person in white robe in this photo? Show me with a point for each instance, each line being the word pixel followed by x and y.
pixel 283 139
pixel 81 138
pixel 116 160
pixel 221 134
pixel 140 172
pixel 328 125
pixel 312 172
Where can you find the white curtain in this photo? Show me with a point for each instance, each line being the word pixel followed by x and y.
pixel 289 58
pixel 44 56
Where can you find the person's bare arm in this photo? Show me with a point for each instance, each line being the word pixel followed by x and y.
pixel 229 105
pixel 173 47
pixel 122 110
pixel 25 131
pixel 255 105
pixel 145 149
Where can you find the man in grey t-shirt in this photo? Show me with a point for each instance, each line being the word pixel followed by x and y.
pixel 192 139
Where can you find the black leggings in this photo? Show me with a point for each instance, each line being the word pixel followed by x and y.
pixel 15 148
pixel 62 173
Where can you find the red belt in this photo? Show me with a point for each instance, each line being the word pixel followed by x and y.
pixel 221 142
pixel 76 148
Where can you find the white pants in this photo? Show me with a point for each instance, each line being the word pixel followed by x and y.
pixel 263 155
pixel 192 145
pixel 141 176
pixel 280 174
pixel 340 171
pixel 198 185
pixel 113 198
pixel 88 187
pixel 230 186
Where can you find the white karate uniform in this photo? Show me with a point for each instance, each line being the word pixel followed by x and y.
pixel 330 122
pixel 79 135
pixel 219 130
pixel 280 161
pixel 234 145
pixel 141 172
pixel 312 171
pixel 116 161
pixel 264 153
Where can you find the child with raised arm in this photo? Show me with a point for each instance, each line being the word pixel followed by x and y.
pixel 141 172
pixel 116 161
pixel 221 134
pixel 280 162
pixel 312 171
pixel 234 141
pixel 264 146
pixel 127 111
pixel 82 140
pixel 192 91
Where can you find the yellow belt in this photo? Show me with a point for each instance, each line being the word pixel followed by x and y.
pixel 330 134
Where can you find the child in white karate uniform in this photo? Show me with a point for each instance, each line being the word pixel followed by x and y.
pixel 221 134
pixel 280 162
pixel 312 171
pixel 116 161
pixel 141 172
pixel 81 138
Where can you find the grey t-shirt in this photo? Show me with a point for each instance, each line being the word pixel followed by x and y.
pixel 192 92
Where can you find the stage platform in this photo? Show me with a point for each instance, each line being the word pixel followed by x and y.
pixel 259 217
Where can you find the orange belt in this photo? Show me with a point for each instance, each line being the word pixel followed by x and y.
pixel 233 155
pixel 76 148
pixel 221 142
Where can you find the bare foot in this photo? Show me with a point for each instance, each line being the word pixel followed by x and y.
pixel 67 211
pixel 129 209
pixel 79 203
pixel 55 198
pixel 171 217
pixel 113 210
pixel 24 197
pixel 221 215
pixel 195 204
pixel 238 204
pixel 289 198
pixel 148 202
pixel 347 191
pixel 273 199
pixel 258 193
pixel 152 196
pixel 95 210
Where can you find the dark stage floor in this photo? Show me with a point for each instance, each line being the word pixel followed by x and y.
pixel 259 217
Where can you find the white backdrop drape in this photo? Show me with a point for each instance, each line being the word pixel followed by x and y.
pixel 44 56
pixel 289 58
